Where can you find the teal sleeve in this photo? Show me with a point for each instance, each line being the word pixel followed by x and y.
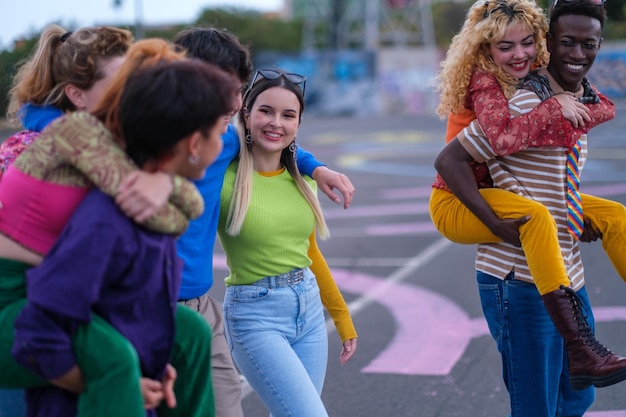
pixel 307 162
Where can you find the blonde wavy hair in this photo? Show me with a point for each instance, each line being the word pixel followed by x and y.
pixel 62 58
pixel 486 22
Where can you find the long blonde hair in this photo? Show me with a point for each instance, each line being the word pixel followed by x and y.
pixel 486 22
pixel 242 191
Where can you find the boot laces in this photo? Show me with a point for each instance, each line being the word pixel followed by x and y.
pixel 584 330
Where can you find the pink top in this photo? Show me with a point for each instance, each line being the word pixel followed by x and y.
pixel 33 212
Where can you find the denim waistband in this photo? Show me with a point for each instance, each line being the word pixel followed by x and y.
pixel 292 277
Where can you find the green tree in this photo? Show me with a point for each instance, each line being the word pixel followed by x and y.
pixel 9 60
pixel 448 18
pixel 256 30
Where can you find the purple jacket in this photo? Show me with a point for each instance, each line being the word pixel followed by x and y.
pixel 105 264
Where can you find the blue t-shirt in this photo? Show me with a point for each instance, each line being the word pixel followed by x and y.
pixel 36 118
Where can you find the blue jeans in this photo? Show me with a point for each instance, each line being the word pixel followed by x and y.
pixel 278 339
pixel 534 361
pixel 12 403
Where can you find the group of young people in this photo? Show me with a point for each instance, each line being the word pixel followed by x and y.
pixel 136 155
pixel 128 165
pixel 519 108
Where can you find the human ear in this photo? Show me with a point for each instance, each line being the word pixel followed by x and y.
pixel 76 96
pixel 194 144
pixel 246 118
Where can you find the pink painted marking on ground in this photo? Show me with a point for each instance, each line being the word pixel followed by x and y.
pixel 606 314
pixel 605 190
pixel 400 229
pixel 219 261
pixel 376 211
pixel 402 193
pixel 432 331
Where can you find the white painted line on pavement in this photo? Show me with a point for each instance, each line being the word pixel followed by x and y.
pixel 399 275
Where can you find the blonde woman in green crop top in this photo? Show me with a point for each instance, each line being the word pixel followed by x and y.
pixel 273 313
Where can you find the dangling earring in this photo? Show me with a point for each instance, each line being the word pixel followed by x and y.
pixel 248 139
pixel 293 148
pixel 193 159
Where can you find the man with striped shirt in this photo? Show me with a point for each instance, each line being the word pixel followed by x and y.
pixel 534 359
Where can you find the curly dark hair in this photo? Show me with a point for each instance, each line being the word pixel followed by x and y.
pixel 578 8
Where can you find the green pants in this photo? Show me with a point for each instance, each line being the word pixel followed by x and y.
pixel 109 363
pixel 192 359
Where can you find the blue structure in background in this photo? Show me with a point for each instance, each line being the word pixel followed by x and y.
pixel 336 79
pixel 608 73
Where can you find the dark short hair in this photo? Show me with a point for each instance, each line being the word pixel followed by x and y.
pixel 217 47
pixel 577 8
pixel 165 103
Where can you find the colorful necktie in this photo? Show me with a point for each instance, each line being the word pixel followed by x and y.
pixel 574 204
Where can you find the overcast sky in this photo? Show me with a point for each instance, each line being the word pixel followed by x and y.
pixel 23 17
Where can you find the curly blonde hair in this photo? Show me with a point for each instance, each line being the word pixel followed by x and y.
pixel 486 22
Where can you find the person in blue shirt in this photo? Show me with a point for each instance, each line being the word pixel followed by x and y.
pixel 195 246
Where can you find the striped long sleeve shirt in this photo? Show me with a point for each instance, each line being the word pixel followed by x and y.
pixel 536 173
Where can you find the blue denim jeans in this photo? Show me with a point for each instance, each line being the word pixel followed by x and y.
pixel 12 403
pixel 534 361
pixel 278 340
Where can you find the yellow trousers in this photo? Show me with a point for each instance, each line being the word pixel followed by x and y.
pixel 538 236
pixel 610 218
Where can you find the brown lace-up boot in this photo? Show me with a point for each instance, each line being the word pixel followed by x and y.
pixel 590 363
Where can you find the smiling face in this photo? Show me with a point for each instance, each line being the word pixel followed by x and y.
pixel 515 52
pixel 273 121
pixel 574 45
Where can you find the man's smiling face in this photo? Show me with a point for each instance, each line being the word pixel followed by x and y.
pixel 573 47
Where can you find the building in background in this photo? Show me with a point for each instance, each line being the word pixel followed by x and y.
pixel 364 56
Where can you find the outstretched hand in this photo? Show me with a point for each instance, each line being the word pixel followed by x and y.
pixel 508 230
pixel 347 350
pixel 329 180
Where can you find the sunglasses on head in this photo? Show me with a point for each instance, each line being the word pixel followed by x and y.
pixel 596 2
pixel 272 74
pixel 501 6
